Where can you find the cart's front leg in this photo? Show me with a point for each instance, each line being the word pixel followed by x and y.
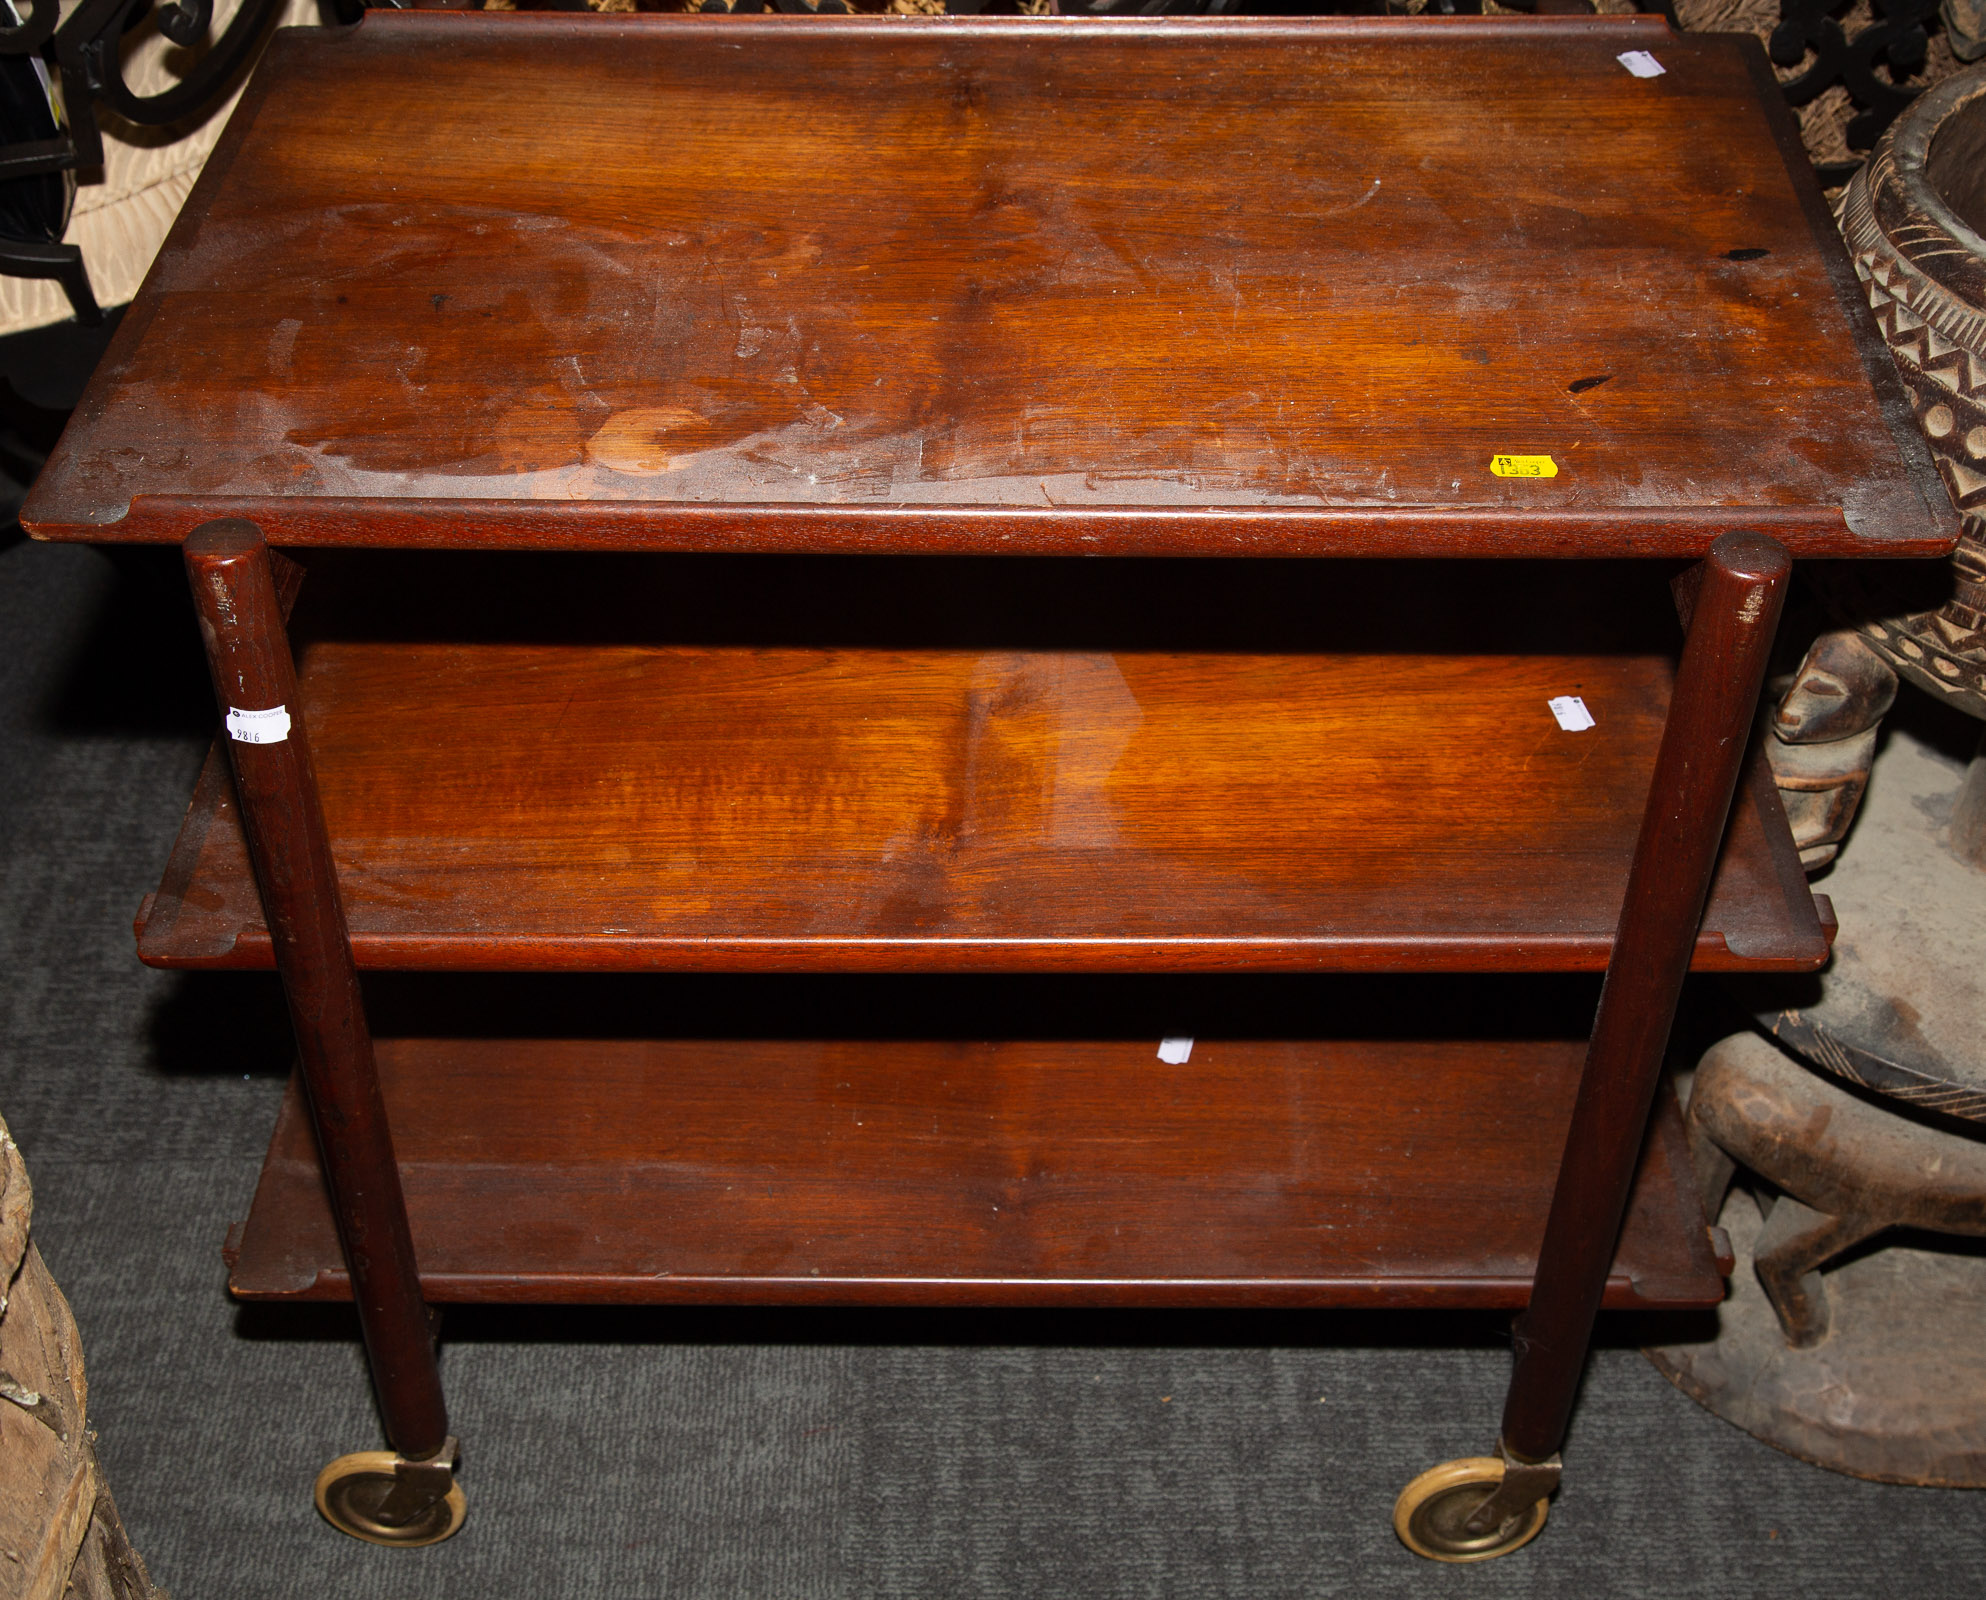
pixel 407 1495
pixel 1467 1511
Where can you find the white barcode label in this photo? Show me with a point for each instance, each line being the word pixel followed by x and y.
pixel 259 727
pixel 1641 63
pixel 1571 713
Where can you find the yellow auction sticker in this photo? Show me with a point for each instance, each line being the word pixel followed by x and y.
pixel 1524 466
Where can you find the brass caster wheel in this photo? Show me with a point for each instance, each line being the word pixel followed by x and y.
pixel 1431 1513
pixel 350 1492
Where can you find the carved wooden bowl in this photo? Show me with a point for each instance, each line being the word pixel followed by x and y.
pixel 1915 222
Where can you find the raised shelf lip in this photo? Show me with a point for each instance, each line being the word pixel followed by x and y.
pixel 1325 532
pixel 1345 1292
pixel 1414 30
pixel 378 952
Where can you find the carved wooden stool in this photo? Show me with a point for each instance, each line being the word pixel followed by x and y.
pixel 1844 1340
pixel 1850 1170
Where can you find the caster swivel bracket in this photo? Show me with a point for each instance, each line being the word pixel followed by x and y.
pixel 418 1484
pixel 1524 1484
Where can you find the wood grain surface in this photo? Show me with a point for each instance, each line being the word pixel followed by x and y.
pixel 1008 764
pixel 1083 1172
pixel 1056 285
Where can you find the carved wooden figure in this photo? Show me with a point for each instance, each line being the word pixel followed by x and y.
pixel 1822 738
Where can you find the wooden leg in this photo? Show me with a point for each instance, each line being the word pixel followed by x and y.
pixel 1734 610
pixel 1796 1242
pixel 241 622
pixel 1712 1163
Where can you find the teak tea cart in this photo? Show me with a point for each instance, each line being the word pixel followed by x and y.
pixel 808 320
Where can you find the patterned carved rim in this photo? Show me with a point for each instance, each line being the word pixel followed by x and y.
pixel 1924 271
pixel 1924 230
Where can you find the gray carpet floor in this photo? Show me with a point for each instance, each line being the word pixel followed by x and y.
pixel 742 1455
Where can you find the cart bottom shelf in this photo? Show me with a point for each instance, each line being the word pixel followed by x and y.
pixel 1362 1173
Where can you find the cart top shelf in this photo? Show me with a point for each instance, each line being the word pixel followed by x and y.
pixel 1330 287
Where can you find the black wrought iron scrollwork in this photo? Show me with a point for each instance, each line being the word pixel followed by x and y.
pixel 34 31
pixel 184 21
pixel 1896 41
pixel 86 50
pixel 91 67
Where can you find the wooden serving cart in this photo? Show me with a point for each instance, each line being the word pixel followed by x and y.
pixel 823 336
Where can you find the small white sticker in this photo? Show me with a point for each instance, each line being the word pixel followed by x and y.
pixel 1175 1052
pixel 1571 713
pixel 1641 63
pixel 259 727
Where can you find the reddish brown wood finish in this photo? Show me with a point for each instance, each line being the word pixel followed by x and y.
pixel 241 620
pixel 1204 288
pixel 1733 602
pixel 1362 1173
pixel 649 784
pixel 1122 288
